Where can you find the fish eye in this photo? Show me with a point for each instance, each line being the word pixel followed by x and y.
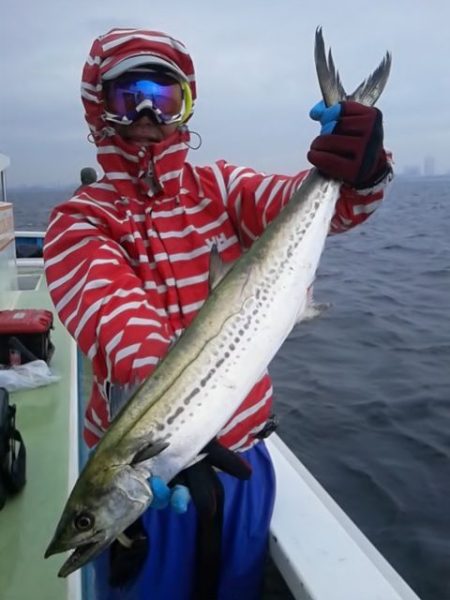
pixel 84 521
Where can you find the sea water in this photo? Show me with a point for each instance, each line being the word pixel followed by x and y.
pixel 363 392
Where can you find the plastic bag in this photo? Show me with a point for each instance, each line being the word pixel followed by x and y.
pixel 30 375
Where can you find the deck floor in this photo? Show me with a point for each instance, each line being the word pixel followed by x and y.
pixel 28 520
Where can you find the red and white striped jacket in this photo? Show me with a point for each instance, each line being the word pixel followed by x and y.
pixel 127 258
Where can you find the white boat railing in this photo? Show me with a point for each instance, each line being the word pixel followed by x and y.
pixel 319 551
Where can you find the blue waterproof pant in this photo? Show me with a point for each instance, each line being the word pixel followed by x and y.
pixel 169 570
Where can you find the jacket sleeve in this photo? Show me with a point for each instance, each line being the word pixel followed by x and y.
pixel 254 199
pixel 117 324
pixel 355 206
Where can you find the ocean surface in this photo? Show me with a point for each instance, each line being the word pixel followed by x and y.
pixel 363 392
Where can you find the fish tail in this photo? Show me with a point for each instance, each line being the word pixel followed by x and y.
pixel 330 83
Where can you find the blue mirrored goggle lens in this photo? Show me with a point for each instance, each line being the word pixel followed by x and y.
pixel 127 95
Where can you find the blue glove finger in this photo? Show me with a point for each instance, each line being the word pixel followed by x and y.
pixel 161 493
pixel 328 117
pixel 180 498
pixel 317 111
pixel 328 128
pixel 330 114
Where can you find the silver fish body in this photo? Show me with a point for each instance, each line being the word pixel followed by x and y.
pixel 213 365
pixel 241 327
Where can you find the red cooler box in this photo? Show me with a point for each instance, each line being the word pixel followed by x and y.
pixel 25 336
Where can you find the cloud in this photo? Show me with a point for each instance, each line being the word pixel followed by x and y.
pixel 255 71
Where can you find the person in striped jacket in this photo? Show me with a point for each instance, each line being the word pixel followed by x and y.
pixel 127 264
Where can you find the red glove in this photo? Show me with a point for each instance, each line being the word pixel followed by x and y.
pixel 353 152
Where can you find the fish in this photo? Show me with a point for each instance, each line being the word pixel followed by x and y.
pixel 212 366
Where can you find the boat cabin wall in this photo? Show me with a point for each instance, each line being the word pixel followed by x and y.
pixel 8 269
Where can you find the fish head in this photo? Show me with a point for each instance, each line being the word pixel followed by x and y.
pixel 102 505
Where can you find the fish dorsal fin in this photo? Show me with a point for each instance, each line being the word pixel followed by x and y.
pixel 217 268
pixel 148 451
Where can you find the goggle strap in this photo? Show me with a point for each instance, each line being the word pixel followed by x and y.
pixel 187 95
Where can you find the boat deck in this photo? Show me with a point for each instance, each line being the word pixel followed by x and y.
pixel 45 419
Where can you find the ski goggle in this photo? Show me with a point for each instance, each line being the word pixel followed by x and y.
pixel 169 99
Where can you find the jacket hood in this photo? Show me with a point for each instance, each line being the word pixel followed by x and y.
pixel 127 165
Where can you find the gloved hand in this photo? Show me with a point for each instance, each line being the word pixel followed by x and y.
pixel 177 497
pixel 178 494
pixel 127 555
pixel 201 478
pixel 350 145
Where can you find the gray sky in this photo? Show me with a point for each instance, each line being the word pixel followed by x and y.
pixel 255 74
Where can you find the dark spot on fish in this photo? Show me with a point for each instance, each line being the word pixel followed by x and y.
pixel 188 399
pixel 176 414
pixel 220 362
pixel 204 381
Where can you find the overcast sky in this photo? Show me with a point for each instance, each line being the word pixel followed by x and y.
pixel 255 74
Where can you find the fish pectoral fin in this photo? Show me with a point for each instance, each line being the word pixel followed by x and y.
pixel 148 451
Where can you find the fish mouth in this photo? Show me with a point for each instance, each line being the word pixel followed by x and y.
pixel 82 555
